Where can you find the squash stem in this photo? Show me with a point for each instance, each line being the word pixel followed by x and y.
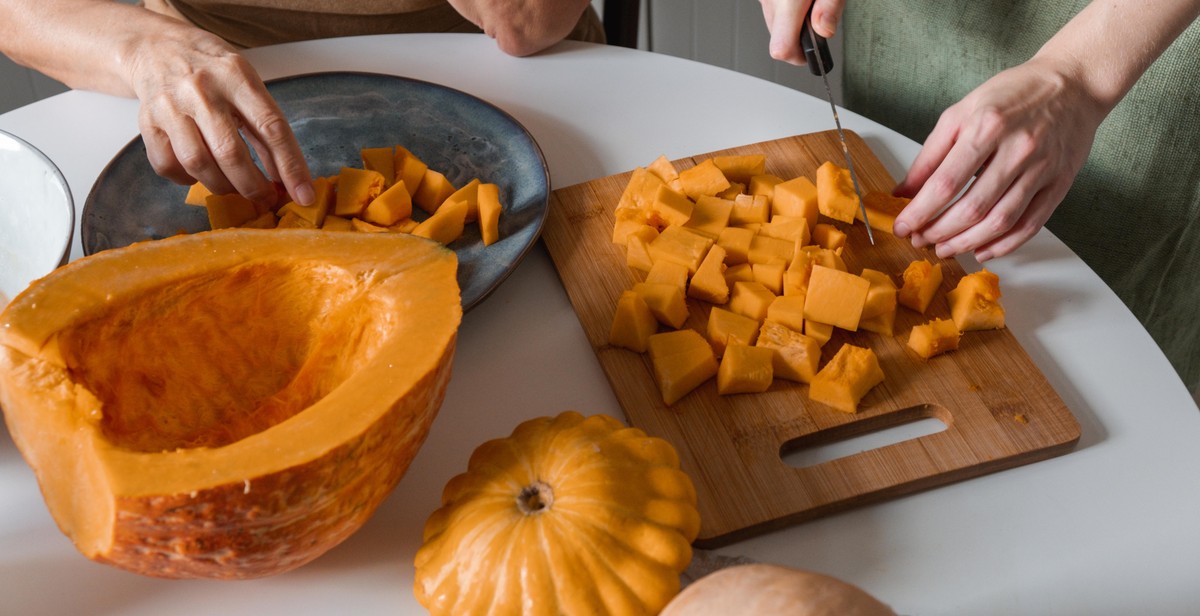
pixel 535 498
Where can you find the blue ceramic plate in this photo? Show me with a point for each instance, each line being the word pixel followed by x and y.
pixel 334 115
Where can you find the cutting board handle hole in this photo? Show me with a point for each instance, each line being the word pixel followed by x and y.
pixel 870 434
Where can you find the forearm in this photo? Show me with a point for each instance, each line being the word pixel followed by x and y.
pixel 523 27
pixel 86 44
pixel 1110 43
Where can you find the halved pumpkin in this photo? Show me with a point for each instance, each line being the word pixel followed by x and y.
pixel 228 404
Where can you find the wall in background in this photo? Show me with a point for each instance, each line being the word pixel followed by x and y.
pixel 727 33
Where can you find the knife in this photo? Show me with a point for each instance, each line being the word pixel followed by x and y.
pixel 820 62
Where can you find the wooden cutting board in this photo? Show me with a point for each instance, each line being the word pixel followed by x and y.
pixel 998 409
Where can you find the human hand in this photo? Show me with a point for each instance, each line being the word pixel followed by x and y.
pixel 785 17
pixel 1023 135
pixel 523 27
pixel 199 97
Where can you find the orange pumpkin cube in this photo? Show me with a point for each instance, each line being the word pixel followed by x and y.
pixel 381 160
pixel 232 210
pixel 668 272
pixel 433 191
pixel 196 194
pixel 835 192
pixel 787 310
pixel 745 370
pixel 741 168
pixel 632 324
pixel 703 179
pixel 672 206
pixel 446 225
pixel 680 245
pixel 828 236
pixel 708 283
pixel 710 215
pixel 796 197
pixel 835 297
pixel 934 338
pixel 921 281
pixel 640 191
pixel 665 170
pixel 736 242
pixel 796 356
pixel 845 380
pixel 489 213
pixel 750 209
pixel 882 209
pixel 666 302
pixel 469 193
pixel 750 299
pixel 727 328
pixel 356 224
pixel 682 361
pixel 975 302
pixel 391 206
pixel 763 184
pixel 821 332
pixel 764 249
pixel 355 189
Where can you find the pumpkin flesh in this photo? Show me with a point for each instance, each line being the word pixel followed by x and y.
pixel 228 404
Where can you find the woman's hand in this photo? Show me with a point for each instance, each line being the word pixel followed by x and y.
pixel 784 18
pixel 1023 135
pixel 199 98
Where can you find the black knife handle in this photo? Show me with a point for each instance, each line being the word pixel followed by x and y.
pixel 812 44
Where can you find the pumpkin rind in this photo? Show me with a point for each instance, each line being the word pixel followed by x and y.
pixel 613 539
pixel 760 588
pixel 362 382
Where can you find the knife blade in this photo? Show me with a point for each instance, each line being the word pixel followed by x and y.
pixel 820 62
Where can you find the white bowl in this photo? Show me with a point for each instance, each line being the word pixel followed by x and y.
pixel 37 216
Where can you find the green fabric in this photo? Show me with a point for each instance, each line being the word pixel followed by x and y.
pixel 1133 214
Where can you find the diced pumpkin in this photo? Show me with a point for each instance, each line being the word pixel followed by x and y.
pixel 637 249
pixel 796 197
pixel 355 189
pixel 196 195
pixel 320 207
pixel 764 249
pixel 357 224
pixel 666 302
pixel 391 206
pixel 489 213
pixel 879 311
pixel 745 370
pixel 629 220
pixel 469 192
pixel 640 191
pixel 975 302
pixel 682 361
pixel 672 206
pixel 821 332
pixel 266 220
pixel 404 225
pixel 232 210
pixel 726 328
pixel 736 242
pixel 750 299
pixel 680 245
pixel 770 274
pixel 763 184
pixel 741 168
pixel 735 189
pixel 336 223
pixel 742 272
pixel 710 216
pixel 408 168
pixel 934 338
pixel 846 378
pixel 381 160
pixel 633 323
pixel 703 179
pixel 668 272
pixel 828 236
pixel 787 310
pixel 446 225
pixel 921 281
pixel 796 356
pixel 791 228
pixel 835 297
pixel 227 404
pixel 882 208
pixel 708 283
pixel 750 209
pixel 432 192
pixel 835 192
pixel 665 170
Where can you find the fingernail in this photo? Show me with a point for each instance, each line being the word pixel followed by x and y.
pixel 828 26
pixel 901 229
pixel 305 195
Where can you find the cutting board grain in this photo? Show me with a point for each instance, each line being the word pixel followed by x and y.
pixel 998 409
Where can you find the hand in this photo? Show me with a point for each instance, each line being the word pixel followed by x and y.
pixel 199 96
pixel 523 27
pixel 784 18
pixel 1022 135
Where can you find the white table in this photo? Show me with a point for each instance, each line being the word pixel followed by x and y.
pixel 1111 528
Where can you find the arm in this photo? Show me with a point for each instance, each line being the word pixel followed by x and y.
pixel 196 91
pixel 784 17
pixel 523 27
pixel 1025 134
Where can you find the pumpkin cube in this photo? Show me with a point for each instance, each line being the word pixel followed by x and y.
pixel 796 197
pixel 735 189
pixel 934 338
pixel 787 310
pixel 446 225
pixel 489 213
pixel 882 209
pixel 792 228
pixel 632 324
pixel 404 225
pixel 666 302
pixel 640 191
pixel 469 193
pixel 881 295
pixel 668 272
pixel 381 160
pixel 741 272
pixel 736 242
pixel 682 361
pixel 727 328
pixel 828 236
pixel 708 283
pixel 637 249
pixel 408 168
pixel 322 203
pixel 665 170
pixel 680 245
pixel 763 249
pixel 825 257
pixel 336 223
pixel 232 210
pixel 835 297
pixel 975 302
pixel 750 299
pixel 391 206
pixel 355 189
pixel 845 380
pixel 630 220
pixel 356 224
pixel 742 167
pixel 196 194
pixel 821 332
pixel 266 220
pixel 835 192
pixel 795 279
pixel 763 184
pixel 796 356
pixel 710 215
pixel 750 209
pixel 921 281
pixel 703 179
pixel 745 370
pixel 770 274
pixel 672 206
pixel 433 191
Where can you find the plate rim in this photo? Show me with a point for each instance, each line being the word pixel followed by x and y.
pixel 68 241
